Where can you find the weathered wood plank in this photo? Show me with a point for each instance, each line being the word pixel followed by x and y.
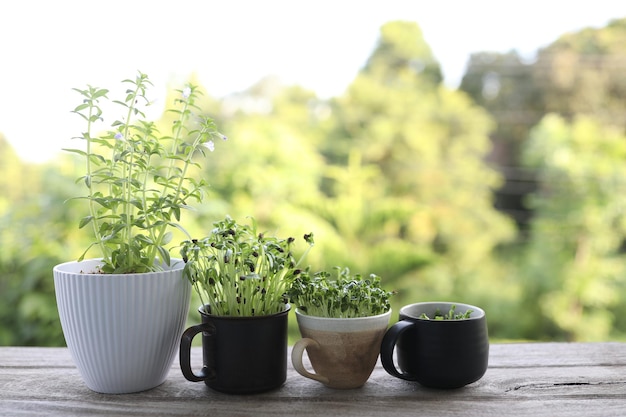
pixel 525 354
pixel 555 354
pixel 522 380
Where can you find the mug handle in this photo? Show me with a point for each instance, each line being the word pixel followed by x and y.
pixel 387 347
pixel 185 353
pixel 296 359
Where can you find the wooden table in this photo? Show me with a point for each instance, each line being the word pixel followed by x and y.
pixel 534 379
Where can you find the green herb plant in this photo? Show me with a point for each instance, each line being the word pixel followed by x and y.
pixel 138 180
pixel 237 271
pixel 342 295
pixel 450 315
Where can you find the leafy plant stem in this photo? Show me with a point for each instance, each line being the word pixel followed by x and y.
pixel 137 185
pixel 177 139
pixel 88 179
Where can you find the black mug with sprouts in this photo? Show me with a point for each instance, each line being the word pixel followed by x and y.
pixel 438 344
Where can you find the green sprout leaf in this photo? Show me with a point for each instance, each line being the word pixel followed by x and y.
pixel 450 315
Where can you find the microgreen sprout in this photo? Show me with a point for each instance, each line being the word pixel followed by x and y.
pixel 450 315
pixel 240 272
pixel 343 295
pixel 138 181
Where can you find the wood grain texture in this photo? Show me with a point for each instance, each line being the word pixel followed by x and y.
pixel 534 379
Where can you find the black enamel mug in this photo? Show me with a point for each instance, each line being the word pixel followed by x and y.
pixel 437 353
pixel 241 355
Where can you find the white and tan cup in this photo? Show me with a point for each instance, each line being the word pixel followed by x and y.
pixel 342 351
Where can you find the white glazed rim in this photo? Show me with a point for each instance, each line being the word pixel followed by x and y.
pixel 74 267
pixel 335 324
pixel 301 313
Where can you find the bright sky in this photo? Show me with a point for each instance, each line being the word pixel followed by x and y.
pixel 48 47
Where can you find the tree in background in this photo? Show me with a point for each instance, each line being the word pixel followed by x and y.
pixel 581 73
pixel 580 78
pixel 575 271
pixel 36 230
pixel 407 158
pixel 271 167
pixel 503 85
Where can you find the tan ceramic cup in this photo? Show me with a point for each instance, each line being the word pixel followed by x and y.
pixel 342 352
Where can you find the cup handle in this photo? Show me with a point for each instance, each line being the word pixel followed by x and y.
pixel 296 359
pixel 185 353
pixel 388 345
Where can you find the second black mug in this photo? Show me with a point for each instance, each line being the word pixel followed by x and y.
pixel 437 353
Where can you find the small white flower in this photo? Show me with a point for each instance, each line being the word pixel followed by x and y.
pixel 186 92
pixel 210 145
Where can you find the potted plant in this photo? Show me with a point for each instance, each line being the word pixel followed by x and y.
pixel 437 344
pixel 123 312
pixel 242 278
pixel 342 319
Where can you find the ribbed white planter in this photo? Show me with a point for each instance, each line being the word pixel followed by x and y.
pixel 122 331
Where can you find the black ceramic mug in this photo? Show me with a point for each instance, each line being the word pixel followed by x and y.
pixel 241 355
pixel 437 353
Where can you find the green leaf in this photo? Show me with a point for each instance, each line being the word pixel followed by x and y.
pixel 176 211
pixel 85 221
pixel 144 239
pixel 181 228
pixel 164 254
pixel 167 238
pixel 81 107
pixel 76 151
pixel 137 203
pixel 100 93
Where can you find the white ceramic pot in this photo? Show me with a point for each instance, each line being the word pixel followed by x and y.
pixel 122 330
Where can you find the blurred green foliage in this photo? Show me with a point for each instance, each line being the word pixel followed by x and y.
pixel 401 177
